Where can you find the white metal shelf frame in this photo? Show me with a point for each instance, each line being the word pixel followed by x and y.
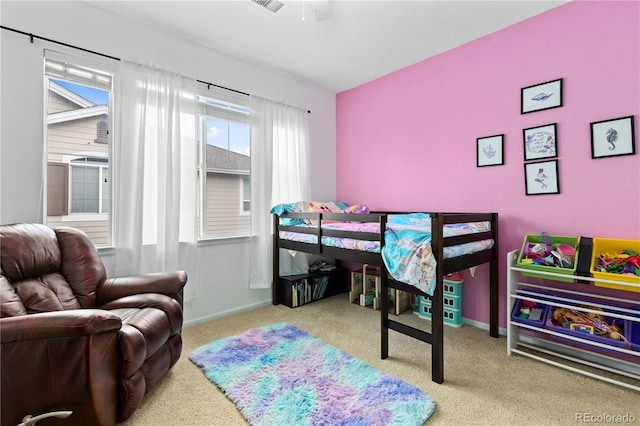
pixel 560 351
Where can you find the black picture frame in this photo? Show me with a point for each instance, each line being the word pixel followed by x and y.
pixel 541 96
pixel 490 151
pixel 540 142
pixel 613 137
pixel 541 177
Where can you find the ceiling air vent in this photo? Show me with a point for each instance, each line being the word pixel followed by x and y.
pixel 272 6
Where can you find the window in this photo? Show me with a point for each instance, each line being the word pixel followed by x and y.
pixel 246 195
pixel 78 105
pixel 89 186
pixel 224 164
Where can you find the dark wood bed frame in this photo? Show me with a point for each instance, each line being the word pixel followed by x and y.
pixel 443 268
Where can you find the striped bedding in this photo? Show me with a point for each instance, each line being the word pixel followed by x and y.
pixel 407 250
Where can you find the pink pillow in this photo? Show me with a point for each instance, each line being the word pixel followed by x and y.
pixel 321 207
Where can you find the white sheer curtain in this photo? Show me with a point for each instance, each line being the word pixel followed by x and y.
pixel 279 174
pixel 155 178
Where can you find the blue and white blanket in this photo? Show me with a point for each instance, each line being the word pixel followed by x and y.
pixel 407 248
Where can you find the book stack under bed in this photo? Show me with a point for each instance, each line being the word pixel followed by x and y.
pixel 322 280
pixel 573 312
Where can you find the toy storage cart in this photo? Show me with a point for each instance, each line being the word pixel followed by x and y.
pixel 565 349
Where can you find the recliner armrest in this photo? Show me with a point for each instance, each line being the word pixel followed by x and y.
pixel 167 304
pixel 168 283
pixel 48 325
pixel 64 360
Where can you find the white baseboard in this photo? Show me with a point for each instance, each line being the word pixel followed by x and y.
pixel 194 321
pixel 483 325
pixel 220 314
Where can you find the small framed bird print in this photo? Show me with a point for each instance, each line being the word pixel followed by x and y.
pixel 541 96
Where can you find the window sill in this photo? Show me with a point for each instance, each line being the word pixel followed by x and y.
pixel 216 241
pixel 203 242
pixel 106 250
pixel 84 217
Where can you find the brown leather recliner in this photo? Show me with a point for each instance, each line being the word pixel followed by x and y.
pixel 72 339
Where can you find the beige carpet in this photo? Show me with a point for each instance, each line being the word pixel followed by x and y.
pixel 483 385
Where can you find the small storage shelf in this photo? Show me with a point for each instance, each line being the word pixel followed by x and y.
pixel 298 290
pixel 601 358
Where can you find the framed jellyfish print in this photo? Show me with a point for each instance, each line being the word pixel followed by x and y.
pixel 540 142
pixel 541 177
pixel 541 96
pixel 489 151
pixel 613 137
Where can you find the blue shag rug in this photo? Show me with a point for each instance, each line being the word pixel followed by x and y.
pixel 281 375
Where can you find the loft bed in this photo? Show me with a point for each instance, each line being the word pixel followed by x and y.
pixel 323 234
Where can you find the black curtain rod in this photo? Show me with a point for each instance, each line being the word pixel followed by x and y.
pixel 222 87
pixel 33 36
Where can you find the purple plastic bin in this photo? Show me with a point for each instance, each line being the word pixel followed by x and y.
pixel 516 311
pixel 600 339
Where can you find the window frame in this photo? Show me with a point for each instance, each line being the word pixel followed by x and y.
pixel 103 77
pixel 244 182
pixel 101 176
pixel 231 108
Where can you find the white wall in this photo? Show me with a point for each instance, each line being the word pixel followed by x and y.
pixel 222 275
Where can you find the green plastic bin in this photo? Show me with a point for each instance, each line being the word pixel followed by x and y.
pixel 555 240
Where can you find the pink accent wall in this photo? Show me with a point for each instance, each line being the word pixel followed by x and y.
pixel 421 124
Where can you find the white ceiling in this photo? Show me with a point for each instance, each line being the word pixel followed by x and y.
pixel 361 40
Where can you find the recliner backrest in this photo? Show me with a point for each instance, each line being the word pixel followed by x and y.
pixel 43 270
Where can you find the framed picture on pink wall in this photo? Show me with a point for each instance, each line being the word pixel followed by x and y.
pixel 541 96
pixel 489 151
pixel 540 142
pixel 541 177
pixel 613 137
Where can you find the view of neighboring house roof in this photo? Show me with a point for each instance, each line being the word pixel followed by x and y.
pixel 224 161
pixel 76 114
pixel 69 95
pixel 85 107
pixel 219 160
